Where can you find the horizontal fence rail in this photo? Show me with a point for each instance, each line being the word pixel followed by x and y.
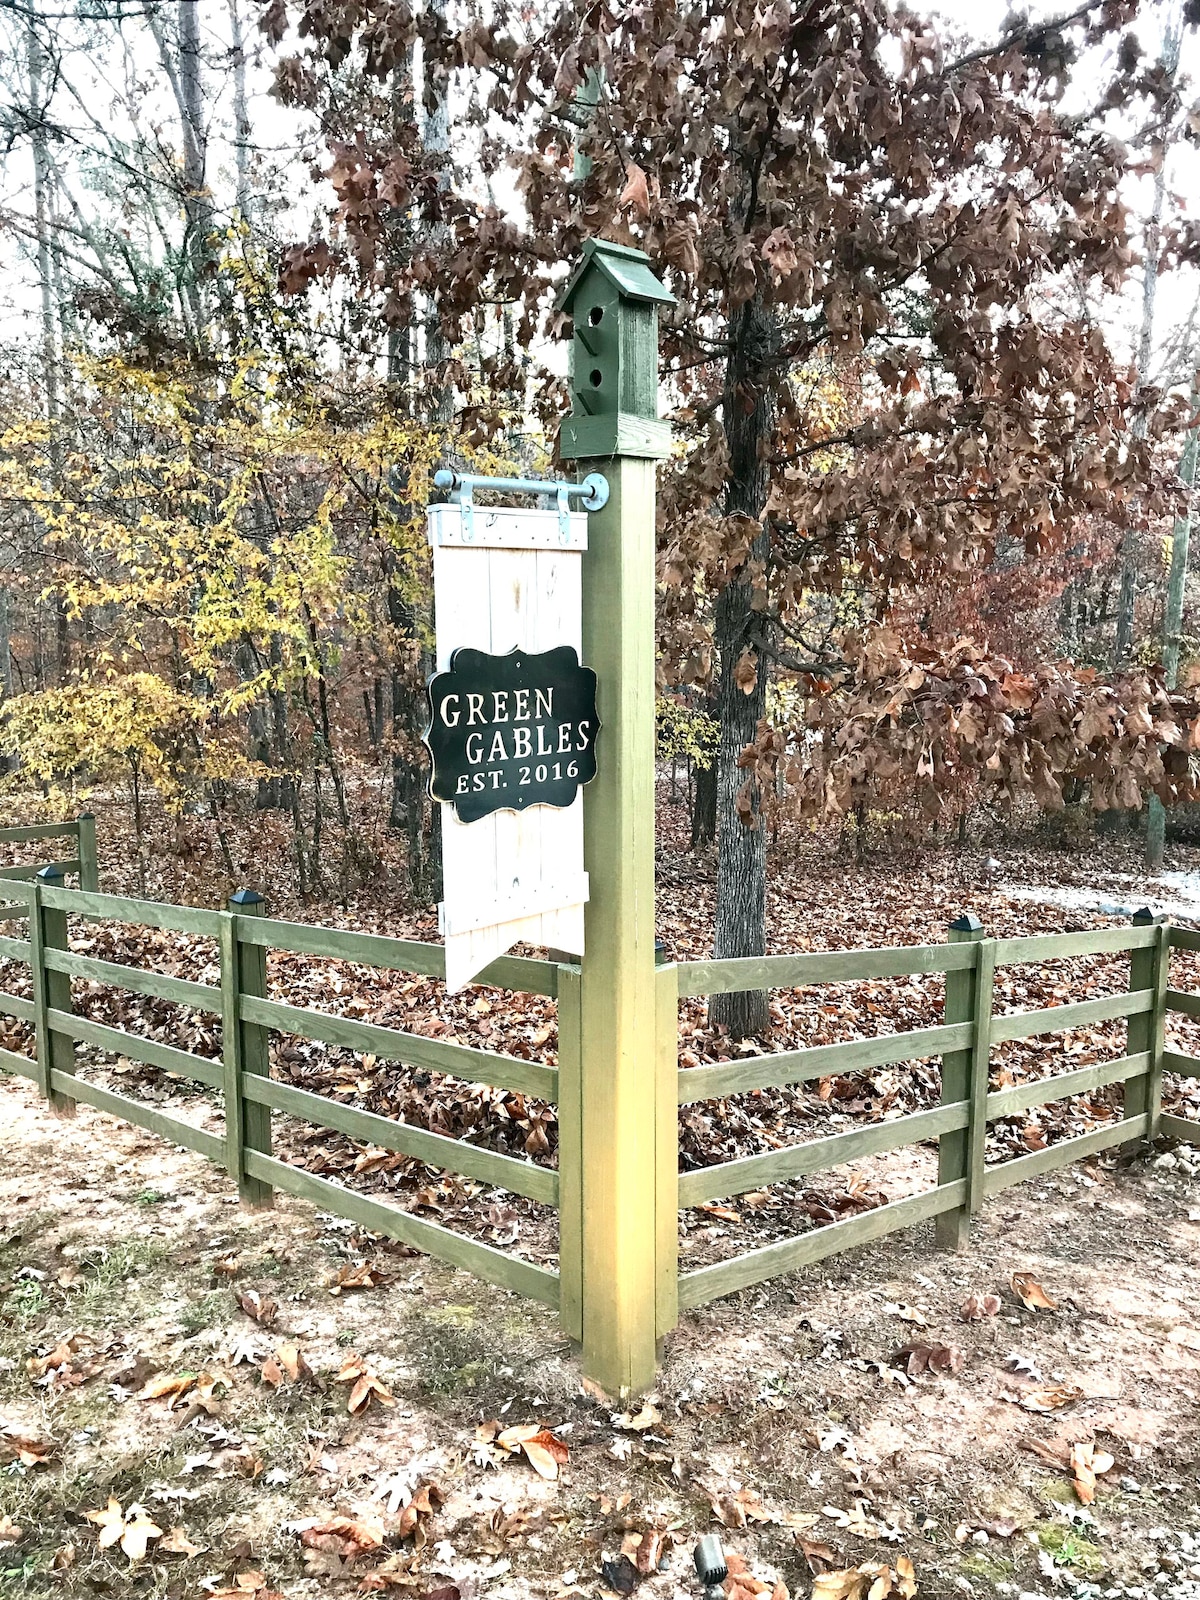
pixel 243 938
pixel 40 906
pixel 964 1044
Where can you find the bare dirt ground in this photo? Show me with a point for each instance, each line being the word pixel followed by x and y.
pixel 779 1412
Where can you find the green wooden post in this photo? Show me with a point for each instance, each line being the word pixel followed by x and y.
pixel 666 1161
pixel 245 1047
pixel 965 1077
pixel 51 990
pixel 626 1125
pixel 1148 968
pixel 570 1154
pixel 89 871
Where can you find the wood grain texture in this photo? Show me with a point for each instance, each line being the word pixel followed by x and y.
pixel 666 1155
pixel 618 998
pixel 27 874
pixel 15 950
pixel 141 913
pixel 15 1005
pixel 436 1149
pixel 181 1062
pixel 246 1046
pixel 396 955
pixel 414 1050
pixel 23 1066
pixel 708 1283
pixel 1079 1014
pixel 1180 1128
pixel 139 1113
pixel 89 868
pixel 570 1153
pixel 1003 1174
pixel 818 1061
pixel 45 830
pixel 137 980
pixel 486 1262
pixel 52 996
pixel 1058 946
pixel 822 966
pixel 1010 1102
pixel 965 997
pixel 816 1155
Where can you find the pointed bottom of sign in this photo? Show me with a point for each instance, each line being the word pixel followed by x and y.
pixel 467 954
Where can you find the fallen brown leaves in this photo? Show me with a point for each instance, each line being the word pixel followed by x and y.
pixel 918 1358
pixel 1053 1397
pixel 418 1511
pixel 872 1581
pixel 333 1545
pixel 246 1586
pixel 30 1452
pixel 365 1275
pixel 58 1368
pixel 367 1386
pixel 1087 1464
pixel 542 1449
pixel 287 1364
pixel 258 1307
pixel 132 1530
pixel 1030 1292
pixel 977 1306
pixel 198 1388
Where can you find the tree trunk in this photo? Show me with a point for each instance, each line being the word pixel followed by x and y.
pixel 1156 821
pixel 704 806
pixel 741 921
pixel 1130 543
pixel 241 114
pixel 42 182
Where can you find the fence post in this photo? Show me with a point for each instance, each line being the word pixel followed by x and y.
pixel 1144 1032
pixel 89 871
pixel 245 1048
pixel 666 1163
pixel 965 1077
pixel 51 990
pixel 570 1154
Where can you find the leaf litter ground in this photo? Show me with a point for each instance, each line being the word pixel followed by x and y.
pixel 893 1403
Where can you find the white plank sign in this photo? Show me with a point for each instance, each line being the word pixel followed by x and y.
pixel 509 578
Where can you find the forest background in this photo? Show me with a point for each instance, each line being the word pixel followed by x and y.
pixel 924 539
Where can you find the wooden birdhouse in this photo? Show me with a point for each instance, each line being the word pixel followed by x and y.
pixel 613 299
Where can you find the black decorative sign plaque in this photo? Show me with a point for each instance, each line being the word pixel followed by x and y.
pixel 509 732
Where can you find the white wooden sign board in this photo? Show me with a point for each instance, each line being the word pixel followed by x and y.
pixel 511 579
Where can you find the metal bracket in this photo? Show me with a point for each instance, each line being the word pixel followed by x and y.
pixel 592 494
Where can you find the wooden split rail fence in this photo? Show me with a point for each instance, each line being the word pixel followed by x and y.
pixel 243 936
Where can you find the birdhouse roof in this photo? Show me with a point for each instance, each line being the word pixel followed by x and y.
pixel 626 269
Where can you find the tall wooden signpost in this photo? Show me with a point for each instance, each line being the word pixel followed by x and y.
pixel 515 709
pixel 628 1101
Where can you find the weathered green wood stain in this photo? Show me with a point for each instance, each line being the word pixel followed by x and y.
pixel 181 1062
pixel 817 1155
pixel 709 1283
pixel 138 980
pixel 965 999
pixel 391 1044
pixel 139 1113
pixel 818 1061
pixel 436 1149
pixel 486 1262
